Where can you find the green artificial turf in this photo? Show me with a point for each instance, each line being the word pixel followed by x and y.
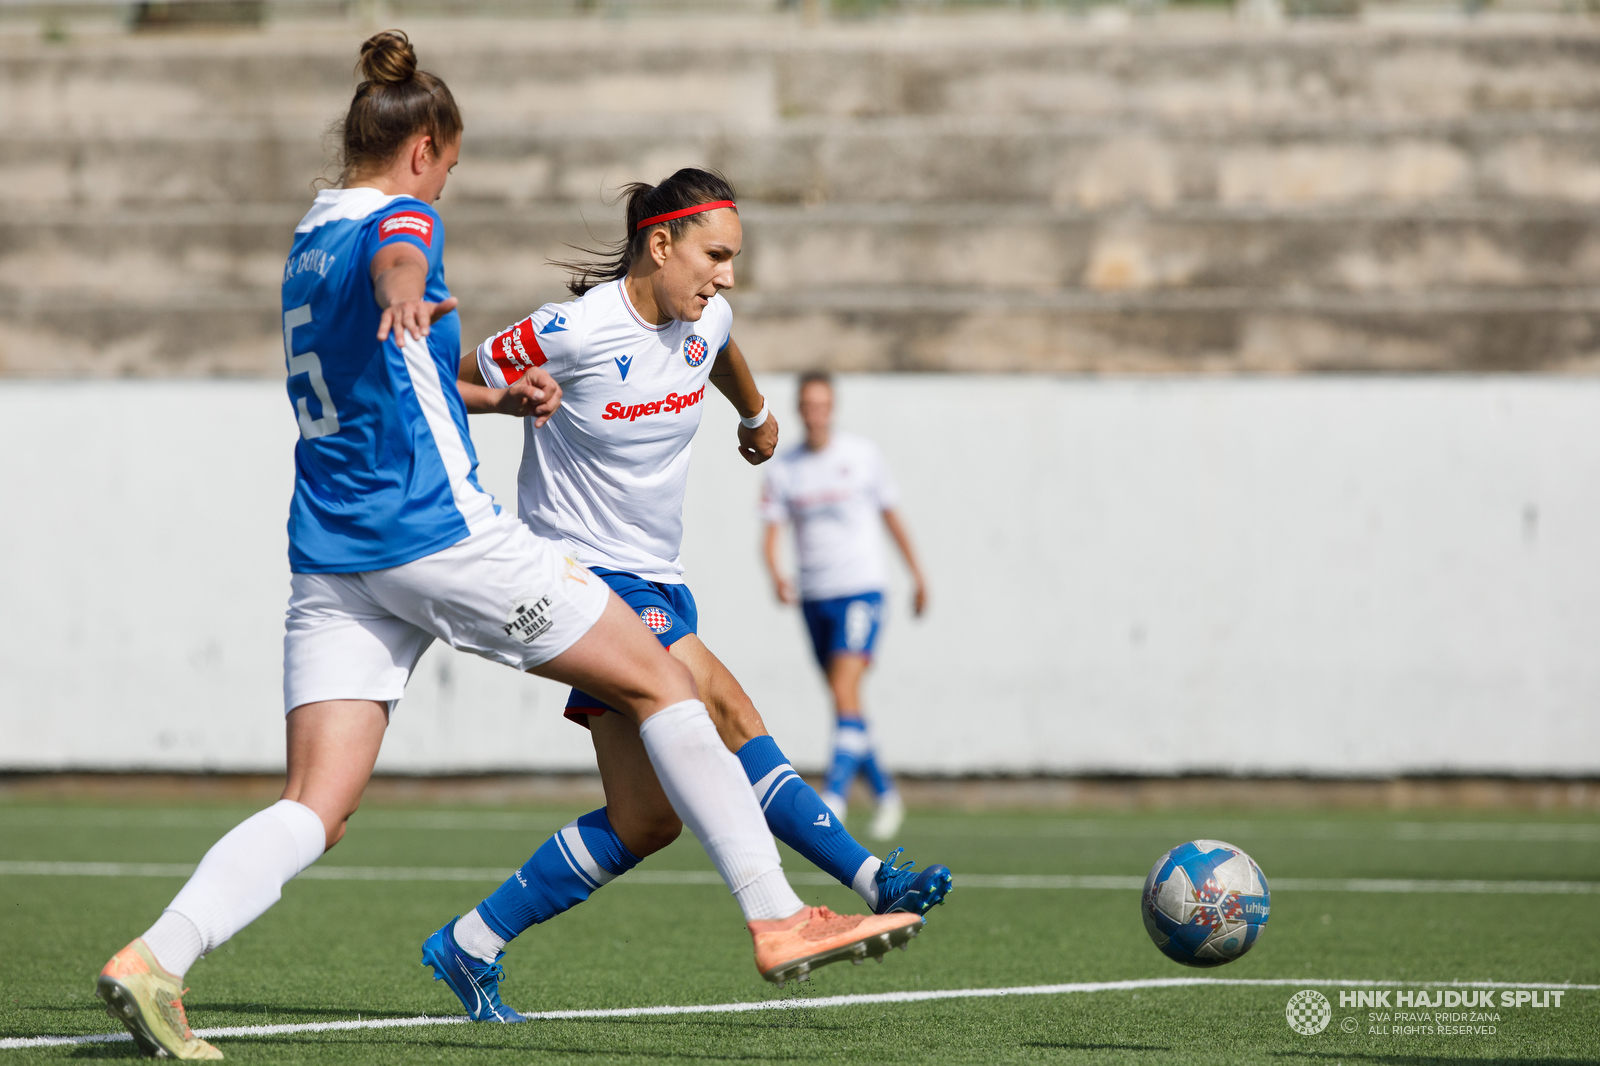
pixel 339 950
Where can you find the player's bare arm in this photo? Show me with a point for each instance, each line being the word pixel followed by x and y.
pixel 535 395
pixel 902 539
pixel 782 587
pixel 399 284
pixel 731 375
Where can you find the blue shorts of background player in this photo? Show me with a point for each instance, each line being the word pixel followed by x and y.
pixel 843 624
pixel 668 609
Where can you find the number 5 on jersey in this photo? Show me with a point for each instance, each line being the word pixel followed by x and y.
pixel 309 364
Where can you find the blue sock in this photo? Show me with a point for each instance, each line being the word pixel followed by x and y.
pixel 579 859
pixel 877 776
pixel 850 744
pixel 798 817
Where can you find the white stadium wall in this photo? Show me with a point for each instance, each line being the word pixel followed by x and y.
pixel 1334 576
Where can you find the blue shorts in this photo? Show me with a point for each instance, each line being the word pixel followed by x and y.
pixel 668 610
pixel 843 624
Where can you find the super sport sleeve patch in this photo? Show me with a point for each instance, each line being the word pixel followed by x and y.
pixel 420 226
pixel 508 355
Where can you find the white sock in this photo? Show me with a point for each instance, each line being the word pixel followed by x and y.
pixel 240 877
pixel 865 881
pixel 175 941
pixel 709 791
pixel 477 939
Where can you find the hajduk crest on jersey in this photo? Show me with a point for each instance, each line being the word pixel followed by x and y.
pixel 694 350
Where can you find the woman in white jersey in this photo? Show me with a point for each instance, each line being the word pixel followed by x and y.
pixel 392 545
pixel 634 354
pixel 836 490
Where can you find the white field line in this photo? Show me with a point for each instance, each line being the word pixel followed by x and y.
pixel 13 1043
pixel 524 822
pixel 707 877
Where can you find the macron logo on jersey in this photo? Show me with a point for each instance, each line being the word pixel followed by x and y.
pixel 516 351
pixel 623 363
pixel 670 405
pixel 413 222
pixel 557 324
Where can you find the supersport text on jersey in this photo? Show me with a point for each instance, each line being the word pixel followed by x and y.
pixel 835 498
pixel 671 404
pixel 385 472
pixel 607 473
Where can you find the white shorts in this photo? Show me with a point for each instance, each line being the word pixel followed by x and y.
pixel 502 593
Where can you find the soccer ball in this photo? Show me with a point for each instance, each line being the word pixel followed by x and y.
pixel 1205 903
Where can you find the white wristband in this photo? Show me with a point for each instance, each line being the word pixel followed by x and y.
pixel 757 420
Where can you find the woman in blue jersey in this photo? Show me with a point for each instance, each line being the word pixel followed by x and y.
pixel 393 544
pixel 634 353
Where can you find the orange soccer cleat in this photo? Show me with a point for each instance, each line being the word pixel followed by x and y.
pixel 149 1001
pixel 790 948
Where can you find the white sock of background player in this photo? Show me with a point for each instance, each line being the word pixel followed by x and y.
pixel 240 877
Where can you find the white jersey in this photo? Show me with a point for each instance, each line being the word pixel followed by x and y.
pixel 836 499
pixel 608 472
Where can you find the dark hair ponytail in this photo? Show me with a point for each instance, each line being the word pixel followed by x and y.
pixel 394 101
pixel 689 187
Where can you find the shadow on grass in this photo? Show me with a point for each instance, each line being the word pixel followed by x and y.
pixel 120 1050
pixel 531 1047
pixel 201 1014
pixel 772 1020
pixel 1401 1059
pixel 1091 1047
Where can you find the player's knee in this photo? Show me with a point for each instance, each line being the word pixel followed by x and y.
pixel 336 821
pixel 336 833
pixel 647 832
pixel 660 832
pixel 737 720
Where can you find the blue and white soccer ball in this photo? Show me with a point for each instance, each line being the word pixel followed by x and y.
pixel 1205 903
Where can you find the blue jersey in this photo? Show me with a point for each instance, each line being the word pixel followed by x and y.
pixel 385 472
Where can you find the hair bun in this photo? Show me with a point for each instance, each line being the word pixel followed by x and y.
pixel 387 58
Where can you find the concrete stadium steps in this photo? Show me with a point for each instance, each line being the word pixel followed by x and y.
pixel 922 329
pixel 495 253
pixel 1005 193
pixel 1004 160
pixel 776 70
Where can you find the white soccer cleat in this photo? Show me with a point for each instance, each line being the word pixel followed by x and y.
pixel 889 817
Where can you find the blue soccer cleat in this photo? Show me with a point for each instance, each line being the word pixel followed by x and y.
pixel 902 890
pixel 475 982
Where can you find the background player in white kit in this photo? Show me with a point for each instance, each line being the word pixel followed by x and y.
pixel 836 489
pixel 393 544
pixel 607 474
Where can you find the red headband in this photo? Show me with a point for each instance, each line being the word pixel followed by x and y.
pixel 695 210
